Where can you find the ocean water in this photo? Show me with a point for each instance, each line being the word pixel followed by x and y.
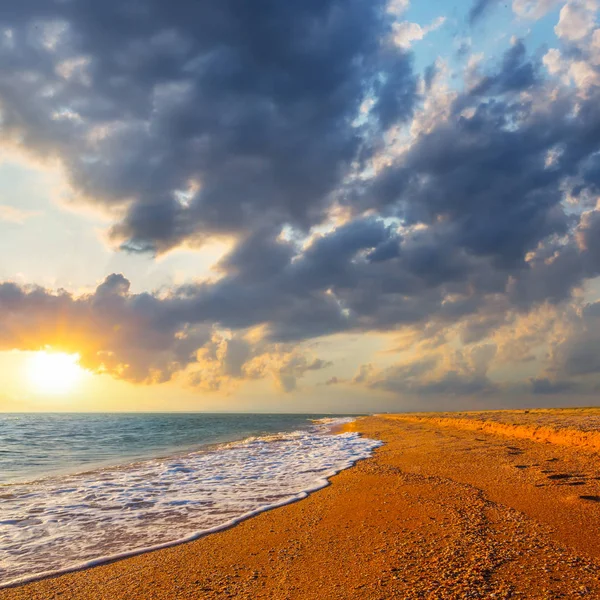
pixel 76 490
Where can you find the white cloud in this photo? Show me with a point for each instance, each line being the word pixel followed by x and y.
pixel 576 26
pixel 583 75
pixel 533 9
pixel 576 20
pixel 398 7
pixel 406 33
pixel 578 72
pixel 10 214
pixel 553 61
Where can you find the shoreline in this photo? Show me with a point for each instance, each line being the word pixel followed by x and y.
pixel 323 482
pixel 393 525
pixel 321 478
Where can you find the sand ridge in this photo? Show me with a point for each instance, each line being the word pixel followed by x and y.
pixel 565 427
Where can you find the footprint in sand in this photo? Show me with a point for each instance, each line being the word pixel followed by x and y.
pixel 514 451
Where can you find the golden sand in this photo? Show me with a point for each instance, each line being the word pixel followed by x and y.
pixel 441 511
pixel 566 426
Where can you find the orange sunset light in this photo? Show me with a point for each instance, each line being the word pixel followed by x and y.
pixel 54 372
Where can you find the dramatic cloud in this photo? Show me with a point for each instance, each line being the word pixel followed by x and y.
pixel 130 336
pixel 203 117
pixel 461 373
pixel 142 338
pixel 359 197
pixel 224 363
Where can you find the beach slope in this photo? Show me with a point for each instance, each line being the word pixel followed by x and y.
pixel 448 508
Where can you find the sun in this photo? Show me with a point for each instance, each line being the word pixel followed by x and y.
pixel 54 372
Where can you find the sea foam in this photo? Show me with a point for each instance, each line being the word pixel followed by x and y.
pixel 59 524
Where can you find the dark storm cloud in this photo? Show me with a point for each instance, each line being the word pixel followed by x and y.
pixel 548 278
pixel 516 73
pixel 299 293
pixel 591 171
pixel 546 386
pixel 489 185
pixel 200 116
pixel 395 96
pixel 486 177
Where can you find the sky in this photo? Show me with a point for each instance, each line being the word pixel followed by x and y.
pixel 315 206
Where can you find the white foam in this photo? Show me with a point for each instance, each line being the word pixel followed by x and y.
pixel 57 525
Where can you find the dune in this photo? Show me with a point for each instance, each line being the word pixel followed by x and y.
pixel 567 427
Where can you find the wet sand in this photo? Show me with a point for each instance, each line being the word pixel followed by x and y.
pixel 442 510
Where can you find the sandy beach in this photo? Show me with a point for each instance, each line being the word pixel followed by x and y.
pixel 471 505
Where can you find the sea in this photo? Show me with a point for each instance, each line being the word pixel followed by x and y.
pixel 78 490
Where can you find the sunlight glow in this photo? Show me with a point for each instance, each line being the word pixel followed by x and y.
pixel 54 372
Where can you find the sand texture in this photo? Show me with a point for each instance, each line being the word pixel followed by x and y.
pixel 443 510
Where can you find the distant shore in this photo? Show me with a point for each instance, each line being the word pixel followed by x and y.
pixel 471 505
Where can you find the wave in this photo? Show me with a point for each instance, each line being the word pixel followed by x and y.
pixel 112 513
